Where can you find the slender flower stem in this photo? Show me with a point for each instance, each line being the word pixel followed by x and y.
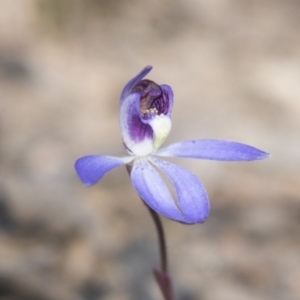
pixel 161 240
pixel 161 275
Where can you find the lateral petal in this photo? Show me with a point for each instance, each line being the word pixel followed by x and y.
pixel 214 150
pixel 168 98
pixel 137 136
pixel 91 168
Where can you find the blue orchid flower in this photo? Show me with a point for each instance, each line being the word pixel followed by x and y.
pixel 145 121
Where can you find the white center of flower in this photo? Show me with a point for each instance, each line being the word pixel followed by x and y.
pixel 142 148
pixel 161 126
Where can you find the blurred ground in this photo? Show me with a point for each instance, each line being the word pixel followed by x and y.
pixel 234 66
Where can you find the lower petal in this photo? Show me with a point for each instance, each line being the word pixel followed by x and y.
pixel 215 150
pixel 191 195
pixel 91 169
pixel 153 190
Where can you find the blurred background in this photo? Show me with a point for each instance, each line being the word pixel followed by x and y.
pixel 234 66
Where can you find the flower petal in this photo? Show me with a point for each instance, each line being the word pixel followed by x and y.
pixel 91 169
pixel 134 81
pixel 137 136
pixel 168 98
pixel 145 114
pixel 191 195
pixel 214 150
pixel 153 190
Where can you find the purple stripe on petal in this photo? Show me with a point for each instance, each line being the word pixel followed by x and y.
pixel 168 97
pixel 137 136
pixel 214 150
pixel 91 169
pixel 152 189
pixel 191 195
pixel 133 82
